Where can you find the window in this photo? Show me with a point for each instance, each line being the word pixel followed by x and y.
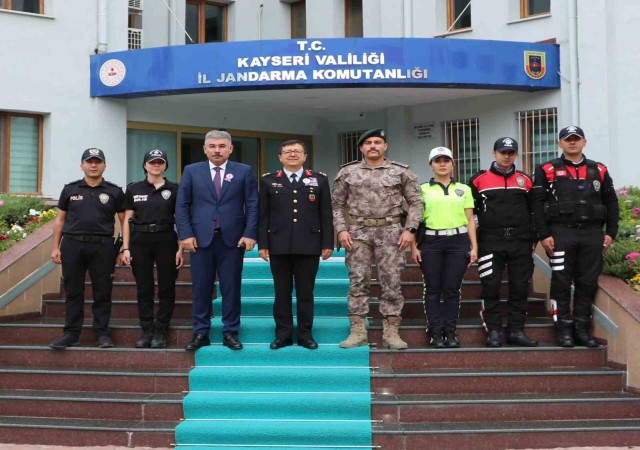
pixel 298 20
pixel 30 6
pixel 206 21
pixel 353 18
pixel 538 131
pixel 462 137
pixel 530 8
pixel 20 153
pixel 135 24
pixel 349 146
pixel 458 14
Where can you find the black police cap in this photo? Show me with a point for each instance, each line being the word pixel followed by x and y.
pixel 571 130
pixel 505 144
pixel 376 132
pixel 154 154
pixel 92 153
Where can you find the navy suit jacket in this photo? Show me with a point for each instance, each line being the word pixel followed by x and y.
pixel 197 206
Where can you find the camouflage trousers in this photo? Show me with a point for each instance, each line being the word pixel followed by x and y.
pixel 377 245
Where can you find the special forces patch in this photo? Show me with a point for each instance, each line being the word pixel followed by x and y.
pixel 166 194
pixel 596 185
pixel 459 192
pixel 520 181
pixel 104 198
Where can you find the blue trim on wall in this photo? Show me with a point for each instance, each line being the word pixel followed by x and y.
pixel 326 63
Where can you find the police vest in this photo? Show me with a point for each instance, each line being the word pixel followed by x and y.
pixel 575 200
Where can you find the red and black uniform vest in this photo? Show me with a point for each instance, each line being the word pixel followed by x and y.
pixel 502 203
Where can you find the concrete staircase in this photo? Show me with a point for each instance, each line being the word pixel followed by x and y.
pixel 472 397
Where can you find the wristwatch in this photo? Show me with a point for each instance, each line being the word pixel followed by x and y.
pixel 411 230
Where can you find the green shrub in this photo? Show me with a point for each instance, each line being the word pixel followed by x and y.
pixel 20 216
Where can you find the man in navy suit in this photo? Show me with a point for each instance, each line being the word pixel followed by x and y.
pixel 217 220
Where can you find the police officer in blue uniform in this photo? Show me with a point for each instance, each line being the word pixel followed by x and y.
pixel 295 229
pixel 149 238
pixel 572 199
pixel 83 241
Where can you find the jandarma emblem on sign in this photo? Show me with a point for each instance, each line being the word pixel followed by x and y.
pixel 535 64
pixel 112 72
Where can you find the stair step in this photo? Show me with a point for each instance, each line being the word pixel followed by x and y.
pixel 113 358
pixel 122 308
pixel 495 407
pixel 480 356
pixel 512 435
pixel 496 381
pixel 86 432
pixel 92 405
pixel 51 378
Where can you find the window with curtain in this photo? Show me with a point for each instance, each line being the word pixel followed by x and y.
pixel 462 137
pixel 538 137
pixel 353 18
pixel 20 153
pixel 298 20
pixel 206 21
pixel 30 6
pixel 458 14
pixel 530 8
pixel 140 142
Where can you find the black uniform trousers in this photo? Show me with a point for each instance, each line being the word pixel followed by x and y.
pixel 146 250
pixel 288 270
pixel 577 259
pixel 99 260
pixel 444 263
pixel 494 254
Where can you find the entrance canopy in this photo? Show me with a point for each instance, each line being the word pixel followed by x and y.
pixel 326 63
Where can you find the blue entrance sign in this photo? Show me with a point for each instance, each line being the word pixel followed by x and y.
pixel 282 64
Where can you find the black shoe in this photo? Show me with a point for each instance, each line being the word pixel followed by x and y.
pixel 494 339
pixel 104 342
pixel 145 340
pixel 231 340
pixel 518 338
pixel 450 339
pixel 309 343
pixel 199 340
pixel 67 340
pixel 435 339
pixel 582 333
pixel 159 337
pixel 564 334
pixel 279 343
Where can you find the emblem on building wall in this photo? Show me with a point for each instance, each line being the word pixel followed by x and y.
pixel 112 72
pixel 535 64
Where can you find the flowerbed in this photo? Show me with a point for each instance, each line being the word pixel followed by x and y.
pixel 623 258
pixel 20 216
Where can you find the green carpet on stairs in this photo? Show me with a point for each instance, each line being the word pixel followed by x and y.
pixel 292 398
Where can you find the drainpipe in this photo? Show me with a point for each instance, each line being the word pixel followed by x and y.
pixel 408 18
pixel 102 26
pixel 574 76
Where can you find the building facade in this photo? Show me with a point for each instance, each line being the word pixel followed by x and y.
pixel 130 75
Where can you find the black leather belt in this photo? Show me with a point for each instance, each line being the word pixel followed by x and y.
pixel 504 231
pixel 94 239
pixel 577 225
pixel 151 228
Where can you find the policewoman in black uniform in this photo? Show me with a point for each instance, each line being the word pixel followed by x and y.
pixel 505 238
pixel 148 238
pixel 83 241
pixel 295 229
pixel 572 198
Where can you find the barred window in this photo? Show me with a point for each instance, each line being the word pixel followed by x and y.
pixel 462 137
pixel 538 137
pixel 349 146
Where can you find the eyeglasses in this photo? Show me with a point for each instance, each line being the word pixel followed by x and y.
pixel 291 152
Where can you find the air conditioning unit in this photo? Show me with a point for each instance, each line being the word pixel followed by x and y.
pixel 135 5
pixel 135 38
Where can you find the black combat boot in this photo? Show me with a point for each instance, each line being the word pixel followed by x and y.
pixel 147 334
pixel 582 333
pixel 564 333
pixel 160 336
pixel 494 339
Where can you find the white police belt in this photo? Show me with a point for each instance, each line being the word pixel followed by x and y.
pixel 449 232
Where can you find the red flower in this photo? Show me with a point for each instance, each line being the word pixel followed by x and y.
pixel 3 237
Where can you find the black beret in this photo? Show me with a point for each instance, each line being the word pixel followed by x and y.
pixel 376 132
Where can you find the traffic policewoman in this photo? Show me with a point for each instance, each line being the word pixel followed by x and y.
pixel 447 247
pixel 148 238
